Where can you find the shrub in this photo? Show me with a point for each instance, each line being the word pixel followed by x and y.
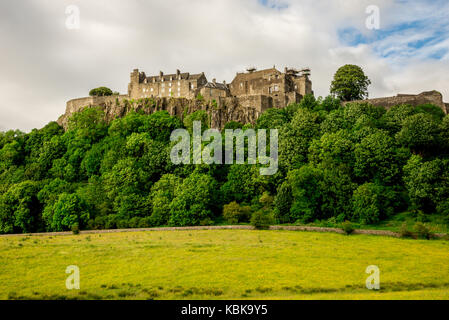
pixel 234 213
pixel 422 231
pixel 111 222
pixel 122 224
pixel 100 92
pixel 100 222
pixel 405 232
pixel 146 222
pixel 347 227
pixel 261 220
pixel 206 222
pixel 75 228
pixel 134 222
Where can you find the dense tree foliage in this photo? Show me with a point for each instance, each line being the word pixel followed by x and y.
pixel 100 92
pixel 358 162
pixel 350 83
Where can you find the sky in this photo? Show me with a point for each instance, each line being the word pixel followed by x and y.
pixel 45 61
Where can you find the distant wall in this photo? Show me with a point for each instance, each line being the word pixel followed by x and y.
pixel 433 97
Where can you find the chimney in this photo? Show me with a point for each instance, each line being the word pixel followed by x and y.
pixel 178 72
pixel 161 74
pixel 285 70
pixel 224 82
pixel 214 80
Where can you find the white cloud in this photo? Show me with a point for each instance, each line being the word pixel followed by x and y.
pixel 44 64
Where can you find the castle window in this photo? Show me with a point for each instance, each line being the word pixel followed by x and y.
pixel 169 84
pixel 179 83
pixel 276 88
pixel 179 89
pixel 152 89
pixel 179 94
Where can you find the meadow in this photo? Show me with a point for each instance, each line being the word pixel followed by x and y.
pixel 222 264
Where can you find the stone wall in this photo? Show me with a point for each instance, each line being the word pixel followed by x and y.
pixel 226 109
pixel 433 97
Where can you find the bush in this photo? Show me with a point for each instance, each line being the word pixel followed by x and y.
pixel 206 222
pixel 100 92
pixel 75 228
pixel 100 222
pixel 347 227
pixel 261 220
pixel 422 231
pixel 146 222
pixel 134 222
pixel 405 232
pixel 234 213
pixel 122 224
pixel 111 222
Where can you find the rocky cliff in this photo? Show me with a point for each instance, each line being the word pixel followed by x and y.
pixel 220 112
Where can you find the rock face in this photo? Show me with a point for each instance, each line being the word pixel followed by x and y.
pixel 220 111
pixel 433 97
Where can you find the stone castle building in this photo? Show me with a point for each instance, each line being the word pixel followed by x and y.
pixel 248 95
pixel 267 88
pixel 180 93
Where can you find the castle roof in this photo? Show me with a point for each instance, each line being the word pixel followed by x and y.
pixel 216 85
pixel 174 76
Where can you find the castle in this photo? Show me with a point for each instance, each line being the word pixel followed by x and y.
pixel 269 88
pixel 244 99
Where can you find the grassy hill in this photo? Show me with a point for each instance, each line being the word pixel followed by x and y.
pixel 222 264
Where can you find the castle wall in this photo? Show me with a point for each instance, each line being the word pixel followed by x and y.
pixel 432 97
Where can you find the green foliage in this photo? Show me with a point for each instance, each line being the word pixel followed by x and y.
pixel 100 92
pixel 419 132
pixel 194 200
pixel 372 203
pixel 235 213
pixel 347 227
pixel 427 183
pixel 261 219
pixel 355 162
pixel 200 115
pixel 162 194
pixel 350 83
pixel 422 231
pixel 283 203
pixel 69 210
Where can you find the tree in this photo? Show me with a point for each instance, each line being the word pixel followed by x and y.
pixel 19 208
pixel 194 200
pixel 372 203
pixel 162 194
pixel 68 211
pixel 420 133
pixel 235 213
pixel 100 92
pixel 350 83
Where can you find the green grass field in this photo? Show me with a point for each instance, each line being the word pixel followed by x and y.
pixel 222 264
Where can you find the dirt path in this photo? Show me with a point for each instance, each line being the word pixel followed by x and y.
pixel 288 228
